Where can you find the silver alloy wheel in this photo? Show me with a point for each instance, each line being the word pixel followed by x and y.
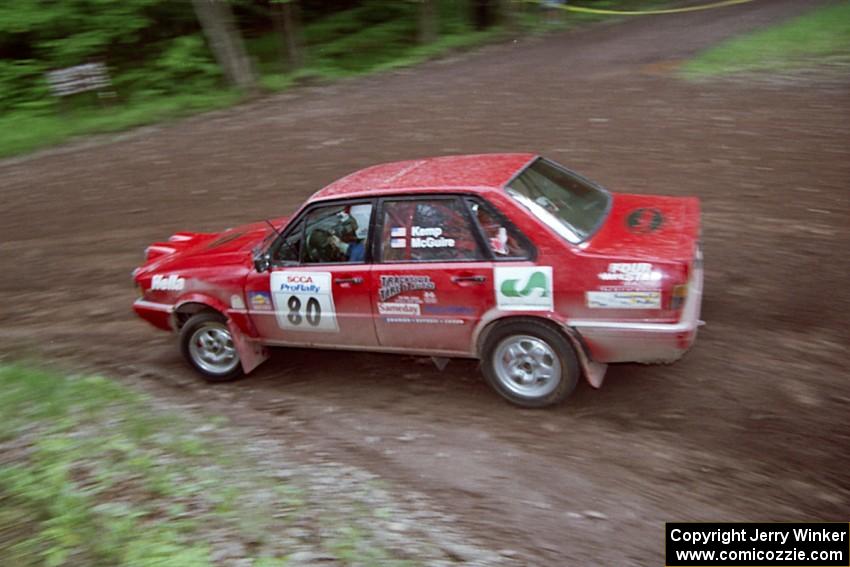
pixel 211 348
pixel 527 366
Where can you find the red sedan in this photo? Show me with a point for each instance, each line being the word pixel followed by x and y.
pixel 509 258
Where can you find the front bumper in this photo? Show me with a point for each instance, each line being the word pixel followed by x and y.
pixel 157 314
pixel 626 341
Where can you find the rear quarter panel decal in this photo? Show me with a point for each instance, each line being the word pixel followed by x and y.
pixel 524 288
pixel 624 299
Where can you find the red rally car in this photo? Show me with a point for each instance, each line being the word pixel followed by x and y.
pixel 508 258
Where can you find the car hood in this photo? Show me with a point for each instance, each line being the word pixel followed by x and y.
pixel 649 227
pixel 193 249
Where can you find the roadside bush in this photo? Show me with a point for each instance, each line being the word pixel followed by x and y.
pixel 23 86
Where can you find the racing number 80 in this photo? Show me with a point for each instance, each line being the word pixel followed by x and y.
pixel 312 312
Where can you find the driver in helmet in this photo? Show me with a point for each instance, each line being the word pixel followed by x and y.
pixel 344 238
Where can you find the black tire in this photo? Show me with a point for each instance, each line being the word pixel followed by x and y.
pixel 212 326
pixel 505 375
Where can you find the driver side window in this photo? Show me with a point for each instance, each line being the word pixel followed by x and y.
pixel 289 248
pixel 330 234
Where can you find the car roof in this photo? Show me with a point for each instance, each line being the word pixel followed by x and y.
pixel 468 172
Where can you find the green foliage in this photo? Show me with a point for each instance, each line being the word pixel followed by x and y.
pixel 374 36
pixel 184 65
pixel 95 474
pixel 22 85
pixel 162 68
pixel 84 491
pixel 69 32
pixel 23 131
pixel 821 36
pixel 149 46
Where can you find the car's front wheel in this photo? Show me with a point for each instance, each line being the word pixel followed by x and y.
pixel 530 364
pixel 207 345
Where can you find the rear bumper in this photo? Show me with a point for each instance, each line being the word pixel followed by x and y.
pixel 157 314
pixel 626 341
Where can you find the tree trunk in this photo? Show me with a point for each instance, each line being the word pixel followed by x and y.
pixel 508 15
pixel 285 15
pixel 482 14
pixel 427 21
pixel 217 21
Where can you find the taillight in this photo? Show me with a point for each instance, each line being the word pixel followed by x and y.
pixel 680 294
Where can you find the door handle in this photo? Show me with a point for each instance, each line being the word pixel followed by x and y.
pixel 469 279
pixel 356 280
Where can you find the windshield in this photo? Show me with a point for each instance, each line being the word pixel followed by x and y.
pixel 569 204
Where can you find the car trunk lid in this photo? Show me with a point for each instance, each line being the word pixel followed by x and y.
pixel 649 227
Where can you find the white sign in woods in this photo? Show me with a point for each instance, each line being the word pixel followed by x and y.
pixel 78 79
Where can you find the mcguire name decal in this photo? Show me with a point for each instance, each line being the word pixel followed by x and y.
pixel 430 237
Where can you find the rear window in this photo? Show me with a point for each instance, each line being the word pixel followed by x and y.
pixel 427 230
pixel 568 203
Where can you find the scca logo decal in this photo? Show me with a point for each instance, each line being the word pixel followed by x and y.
pixel 536 281
pixel 524 289
pixel 299 279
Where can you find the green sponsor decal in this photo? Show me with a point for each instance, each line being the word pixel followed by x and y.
pixel 536 281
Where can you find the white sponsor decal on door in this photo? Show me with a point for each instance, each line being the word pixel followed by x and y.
pixel 524 289
pixel 303 301
pixel 392 285
pixel 624 299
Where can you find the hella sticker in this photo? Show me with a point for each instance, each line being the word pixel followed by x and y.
pixel 168 283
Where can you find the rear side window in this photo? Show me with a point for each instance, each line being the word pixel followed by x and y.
pixel 427 230
pixel 569 204
pixel 503 239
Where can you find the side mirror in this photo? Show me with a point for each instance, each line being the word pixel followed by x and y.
pixel 262 262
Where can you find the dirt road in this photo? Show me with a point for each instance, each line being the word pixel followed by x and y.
pixel 751 425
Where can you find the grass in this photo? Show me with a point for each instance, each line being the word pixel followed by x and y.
pixel 95 474
pixel 22 132
pixel 816 38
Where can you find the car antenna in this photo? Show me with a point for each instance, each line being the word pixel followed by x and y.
pixel 276 231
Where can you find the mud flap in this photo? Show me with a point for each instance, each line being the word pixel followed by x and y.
pixel 594 372
pixel 251 354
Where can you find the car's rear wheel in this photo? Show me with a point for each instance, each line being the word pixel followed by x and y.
pixel 530 364
pixel 207 345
